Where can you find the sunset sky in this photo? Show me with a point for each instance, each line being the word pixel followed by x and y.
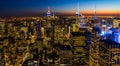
pixel 39 7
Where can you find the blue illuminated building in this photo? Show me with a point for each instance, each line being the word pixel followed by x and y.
pixel 116 37
pixel 97 29
pixel 109 48
pixel 48 12
pixel 111 34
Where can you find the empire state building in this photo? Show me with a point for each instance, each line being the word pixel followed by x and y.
pixel 48 12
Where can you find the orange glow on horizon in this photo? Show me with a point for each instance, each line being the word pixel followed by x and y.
pixel 91 12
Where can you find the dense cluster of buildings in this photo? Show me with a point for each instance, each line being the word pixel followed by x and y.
pixel 57 41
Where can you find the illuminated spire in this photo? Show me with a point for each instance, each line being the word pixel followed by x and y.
pixel 95 16
pixel 48 12
pixel 77 12
pixel 48 9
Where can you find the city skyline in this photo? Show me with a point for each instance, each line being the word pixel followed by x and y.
pixel 61 7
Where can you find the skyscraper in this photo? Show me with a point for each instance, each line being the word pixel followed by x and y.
pixel 48 12
pixel 109 53
pixel 79 17
pixel 95 16
pixel 77 11
pixel 38 30
pixel 80 47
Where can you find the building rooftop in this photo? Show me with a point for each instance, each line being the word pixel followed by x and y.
pixel 110 42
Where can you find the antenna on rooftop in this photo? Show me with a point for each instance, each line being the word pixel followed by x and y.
pixel 95 16
pixel 77 12
pixel 48 12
